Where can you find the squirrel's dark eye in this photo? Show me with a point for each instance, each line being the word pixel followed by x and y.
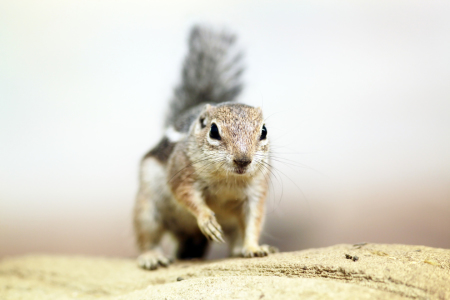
pixel 263 133
pixel 202 123
pixel 214 132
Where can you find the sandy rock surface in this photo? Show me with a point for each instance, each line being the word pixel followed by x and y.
pixel 380 272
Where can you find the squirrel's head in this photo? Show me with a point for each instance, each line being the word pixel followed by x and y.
pixel 232 139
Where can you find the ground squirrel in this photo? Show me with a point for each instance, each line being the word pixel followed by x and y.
pixel 207 179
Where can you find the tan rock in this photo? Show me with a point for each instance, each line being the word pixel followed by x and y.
pixel 380 272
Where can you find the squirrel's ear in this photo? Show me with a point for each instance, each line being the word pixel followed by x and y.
pixel 207 107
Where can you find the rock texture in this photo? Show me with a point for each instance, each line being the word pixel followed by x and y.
pixel 379 272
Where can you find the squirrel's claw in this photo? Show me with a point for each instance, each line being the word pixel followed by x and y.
pixel 258 251
pixel 151 260
pixel 210 228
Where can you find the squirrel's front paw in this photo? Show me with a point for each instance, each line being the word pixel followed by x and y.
pixel 258 251
pixel 151 260
pixel 210 228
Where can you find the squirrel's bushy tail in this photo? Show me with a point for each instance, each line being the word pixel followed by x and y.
pixel 211 71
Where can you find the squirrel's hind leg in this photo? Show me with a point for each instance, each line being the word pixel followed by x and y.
pixel 148 234
pixel 235 242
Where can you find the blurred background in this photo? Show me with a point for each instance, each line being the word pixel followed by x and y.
pixel 356 96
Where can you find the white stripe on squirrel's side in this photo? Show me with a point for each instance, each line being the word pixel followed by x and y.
pixel 173 135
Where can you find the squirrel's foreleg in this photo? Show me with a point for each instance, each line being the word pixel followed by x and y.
pixel 252 222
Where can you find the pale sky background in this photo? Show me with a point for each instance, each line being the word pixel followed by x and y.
pixel 357 97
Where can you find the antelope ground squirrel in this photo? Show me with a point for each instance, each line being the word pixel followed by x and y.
pixel 207 179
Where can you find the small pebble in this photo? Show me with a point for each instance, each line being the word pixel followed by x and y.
pixel 354 258
pixel 180 278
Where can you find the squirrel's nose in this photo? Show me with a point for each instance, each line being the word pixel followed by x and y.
pixel 242 162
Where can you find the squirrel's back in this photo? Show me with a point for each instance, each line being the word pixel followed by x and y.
pixel 211 74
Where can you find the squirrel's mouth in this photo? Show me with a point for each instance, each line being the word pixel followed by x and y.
pixel 240 171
